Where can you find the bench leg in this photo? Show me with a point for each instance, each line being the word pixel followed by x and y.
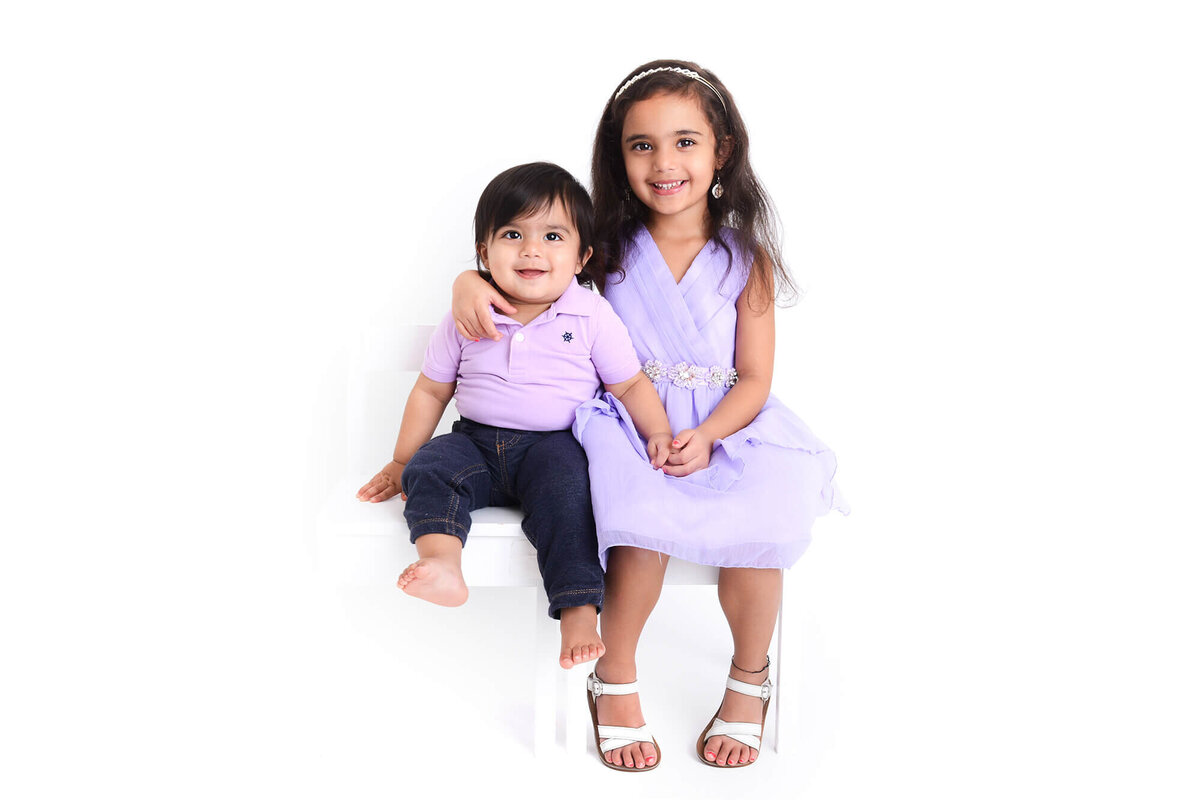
pixel 545 688
pixel 776 700
pixel 577 733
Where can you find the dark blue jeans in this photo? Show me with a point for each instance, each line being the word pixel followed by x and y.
pixel 544 472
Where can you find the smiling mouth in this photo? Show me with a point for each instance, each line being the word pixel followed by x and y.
pixel 671 187
pixel 531 273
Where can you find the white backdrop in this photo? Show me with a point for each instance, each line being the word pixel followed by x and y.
pixel 993 208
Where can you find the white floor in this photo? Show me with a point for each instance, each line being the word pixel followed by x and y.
pixel 461 679
pixel 903 674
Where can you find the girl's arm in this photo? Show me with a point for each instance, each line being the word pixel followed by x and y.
pixel 469 306
pixel 426 404
pixel 754 360
pixel 649 417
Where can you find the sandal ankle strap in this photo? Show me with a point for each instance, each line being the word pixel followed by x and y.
pixel 598 687
pixel 750 689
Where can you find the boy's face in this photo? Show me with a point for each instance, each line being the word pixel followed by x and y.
pixel 535 258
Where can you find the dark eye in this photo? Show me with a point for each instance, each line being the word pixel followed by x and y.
pixel 510 235
pixel 686 142
pixel 554 237
pixel 642 146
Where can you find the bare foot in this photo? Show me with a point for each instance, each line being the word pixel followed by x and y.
pixel 437 580
pixel 736 707
pixel 625 710
pixel 580 639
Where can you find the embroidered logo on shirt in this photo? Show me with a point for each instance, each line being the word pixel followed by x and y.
pixel 568 336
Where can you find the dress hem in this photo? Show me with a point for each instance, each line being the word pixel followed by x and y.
pixel 706 558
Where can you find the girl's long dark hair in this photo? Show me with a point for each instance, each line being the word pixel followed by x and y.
pixel 745 206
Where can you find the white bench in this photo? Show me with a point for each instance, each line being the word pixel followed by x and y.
pixel 367 543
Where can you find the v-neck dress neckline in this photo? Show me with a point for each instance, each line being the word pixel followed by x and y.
pixel 689 275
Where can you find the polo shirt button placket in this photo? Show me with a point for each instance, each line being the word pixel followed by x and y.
pixel 516 361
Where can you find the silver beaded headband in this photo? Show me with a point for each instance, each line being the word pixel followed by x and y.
pixel 685 72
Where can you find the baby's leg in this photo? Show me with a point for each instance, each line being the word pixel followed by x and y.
pixel 437 575
pixel 580 636
pixel 443 482
pixel 552 482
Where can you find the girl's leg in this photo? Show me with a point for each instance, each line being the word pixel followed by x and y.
pixel 750 599
pixel 633 584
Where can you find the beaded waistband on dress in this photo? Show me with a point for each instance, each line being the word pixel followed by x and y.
pixel 690 376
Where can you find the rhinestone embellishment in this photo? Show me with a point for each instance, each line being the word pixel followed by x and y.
pixel 690 376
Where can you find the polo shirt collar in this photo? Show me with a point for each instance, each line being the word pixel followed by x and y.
pixel 576 300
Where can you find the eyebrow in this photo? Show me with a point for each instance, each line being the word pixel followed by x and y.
pixel 552 227
pixel 634 136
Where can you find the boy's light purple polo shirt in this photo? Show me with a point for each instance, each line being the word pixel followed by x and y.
pixel 535 377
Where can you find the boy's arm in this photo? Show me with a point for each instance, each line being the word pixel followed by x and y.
pixel 426 403
pixel 649 417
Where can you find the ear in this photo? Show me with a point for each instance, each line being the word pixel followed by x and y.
pixel 724 151
pixel 583 261
pixel 481 248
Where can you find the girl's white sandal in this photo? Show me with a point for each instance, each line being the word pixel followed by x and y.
pixel 613 737
pixel 748 733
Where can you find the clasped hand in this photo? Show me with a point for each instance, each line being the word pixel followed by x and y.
pixel 690 452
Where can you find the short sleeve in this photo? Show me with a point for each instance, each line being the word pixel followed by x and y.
pixel 613 354
pixel 444 352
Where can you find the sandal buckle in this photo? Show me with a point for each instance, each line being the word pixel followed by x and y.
pixel 765 691
pixel 595 686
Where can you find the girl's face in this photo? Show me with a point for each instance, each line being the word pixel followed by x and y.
pixel 533 259
pixel 670 154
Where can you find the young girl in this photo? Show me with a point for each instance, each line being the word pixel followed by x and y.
pixel 689 258
pixel 518 397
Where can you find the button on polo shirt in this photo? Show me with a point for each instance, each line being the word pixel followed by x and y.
pixel 537 374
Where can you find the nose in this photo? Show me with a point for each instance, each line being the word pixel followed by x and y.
pixel 531 247
pixel 664 160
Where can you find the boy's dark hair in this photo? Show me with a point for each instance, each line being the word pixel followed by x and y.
pixel 528 189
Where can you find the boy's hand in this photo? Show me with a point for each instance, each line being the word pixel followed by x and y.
pixel 384 486
pixel 689 453
pixel 658 447
pixel 470 306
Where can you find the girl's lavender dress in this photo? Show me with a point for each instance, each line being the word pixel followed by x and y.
pixel 755 503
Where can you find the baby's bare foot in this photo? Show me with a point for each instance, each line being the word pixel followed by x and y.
pixel 438 581
pixel 580 639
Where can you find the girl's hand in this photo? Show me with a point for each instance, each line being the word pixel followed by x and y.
pixel 689 453
pixel 658 447
pixel 384 486
pixel 473 296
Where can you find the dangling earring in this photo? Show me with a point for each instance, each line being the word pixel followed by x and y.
pixel 718 189
pixel 628 193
